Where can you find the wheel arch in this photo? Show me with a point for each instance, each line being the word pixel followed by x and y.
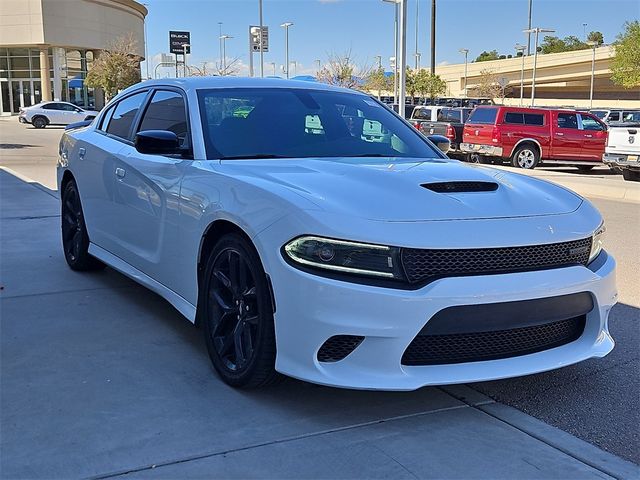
pixel 40 115
pixel 214 232
pixel 525 141
pixel 67 176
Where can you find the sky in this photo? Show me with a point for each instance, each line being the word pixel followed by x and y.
pixel 365 27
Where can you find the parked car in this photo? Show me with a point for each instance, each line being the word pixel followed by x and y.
pixel 54 113
pixel 449 123
pixel 617 116
pixel 421 114
pixel 528 136
pixel 622 152
pixel 327 255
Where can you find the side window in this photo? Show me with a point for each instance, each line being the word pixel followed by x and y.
pixel 105 119
pixel 443 116
pixel 66 107
pixel 533 119
pixel 589 123
pixel 123 115
pixel 512 117
pixel 567 120
pixel 166 111
pixel 614 116
pixel 51 106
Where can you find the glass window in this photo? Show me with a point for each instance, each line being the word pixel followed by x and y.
pixel 599 113
pixel 484 116
pixel 533 119
pixel 123 115
pixel 422 113
pixel 304 123
pixel 512 117
pixel 589 123
pixel 631 116
pixel 166 111
pixel 614 116
pixel 66 107
pixel 51 106
pixel 568 120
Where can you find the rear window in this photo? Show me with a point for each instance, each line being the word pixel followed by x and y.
pixel 422 113
pixel 484 116
pixel 449 115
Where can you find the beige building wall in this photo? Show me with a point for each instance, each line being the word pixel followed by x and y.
pixel 21 22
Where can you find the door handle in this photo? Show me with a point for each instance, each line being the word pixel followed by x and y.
pixel 560 134
pixel 120 172
pixel 81 153
pixel 588 136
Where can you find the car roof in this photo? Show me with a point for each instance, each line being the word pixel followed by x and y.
pixel 196 83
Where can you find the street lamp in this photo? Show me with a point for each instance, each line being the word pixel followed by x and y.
pixel 273 65
pixel 318 63
pixel 416 53
pixel 593 46
pixel 261 50
pixel 537 31
pixel 224 39
pixel 295 67
pixel 520 49
pixel 185 46
pixel 395 49
pixel 465 52
pixel 286 26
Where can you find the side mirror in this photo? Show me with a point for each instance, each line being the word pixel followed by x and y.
pixel 157 142
pixel 443 143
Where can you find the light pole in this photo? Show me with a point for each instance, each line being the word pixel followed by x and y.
pixel 520 49
pixel 224 52
pixel 433 37
pixel 220 42
pixel 537 31
pixel 261 52
pixel 395 49
pixel 146 47
pixel 185 46
pixel 286 26
pixel 593 46
pixel 318 63
pixel 273 65
pixel 465 52
pixel 379 61
pixel 402 77
pixel 529 28
pixel 584 32
pixel 295 67
pixel 416 53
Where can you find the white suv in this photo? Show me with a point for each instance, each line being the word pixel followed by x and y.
pixel 54 113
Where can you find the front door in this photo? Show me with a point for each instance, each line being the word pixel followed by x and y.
pixel 146 194
pixel 567 137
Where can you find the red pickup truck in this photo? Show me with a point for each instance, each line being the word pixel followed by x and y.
pixel 528 136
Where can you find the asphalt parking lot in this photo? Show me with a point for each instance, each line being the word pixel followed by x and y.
pixel 101 378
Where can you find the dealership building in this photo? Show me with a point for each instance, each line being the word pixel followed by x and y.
pixel 48 46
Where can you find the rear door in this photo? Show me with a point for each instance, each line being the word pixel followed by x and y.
pixel 595 138
pixel 567 137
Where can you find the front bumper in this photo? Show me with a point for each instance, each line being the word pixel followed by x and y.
pixel 490 150
pixel 311 309
pixel 621 160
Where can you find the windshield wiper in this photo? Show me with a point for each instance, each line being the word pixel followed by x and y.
pixel 253 157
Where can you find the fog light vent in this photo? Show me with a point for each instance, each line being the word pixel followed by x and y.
pixel 338 347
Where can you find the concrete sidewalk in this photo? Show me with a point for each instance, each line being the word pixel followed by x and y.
pixel 102 378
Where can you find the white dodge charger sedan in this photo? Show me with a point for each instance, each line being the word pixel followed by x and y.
pixel 310 231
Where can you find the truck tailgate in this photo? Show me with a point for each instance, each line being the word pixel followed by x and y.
pixel 623 140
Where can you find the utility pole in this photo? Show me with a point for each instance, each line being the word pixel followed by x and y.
pixel 261 52
pixel 520 49
pixel 433 37
pixel 416 53
pixel 529 28
pixel 286 26
pixel 537 31
pixel 593 46
pixel 465 52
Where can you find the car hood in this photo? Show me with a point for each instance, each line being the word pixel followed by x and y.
pixel 393 189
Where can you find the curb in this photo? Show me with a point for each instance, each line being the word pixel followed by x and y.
pixel 554 437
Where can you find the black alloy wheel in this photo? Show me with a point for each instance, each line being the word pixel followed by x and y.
pixel 238 316
pixel 39 122
pixel 75 241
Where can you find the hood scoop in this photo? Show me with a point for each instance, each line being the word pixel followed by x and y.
pixel 461 187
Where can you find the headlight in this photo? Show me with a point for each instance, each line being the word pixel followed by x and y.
pixel 354 258
pixel 597 242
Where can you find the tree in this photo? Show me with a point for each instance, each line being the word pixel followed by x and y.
pixel 428 85
pixel 341 70
pixel 625 65
pixel 488 85
pixel 116 68
pixel 485 56
pixel 378 81
pixel 595 37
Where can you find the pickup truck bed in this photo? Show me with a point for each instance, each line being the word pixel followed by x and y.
pixel 622 151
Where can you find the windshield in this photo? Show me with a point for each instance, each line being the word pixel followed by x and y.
pixel 285 123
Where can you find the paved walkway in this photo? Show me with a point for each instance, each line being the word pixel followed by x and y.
pixel 101 378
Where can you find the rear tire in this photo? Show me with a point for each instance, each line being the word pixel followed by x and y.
pixel 475 158
pixel 526 156
pixel 75 240
pixel 237 315
pixel 39 122
pixel 631 175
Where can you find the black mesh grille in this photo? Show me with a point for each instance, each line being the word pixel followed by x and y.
pixel 461 187
pixel 338 347
pixel 421 265
pixel 479 346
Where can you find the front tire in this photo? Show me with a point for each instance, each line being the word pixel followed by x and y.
pixel 585 168
pixel 526 156
pixel 631 175
pixel 238 315
pixel 39 122
pixel 75 240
